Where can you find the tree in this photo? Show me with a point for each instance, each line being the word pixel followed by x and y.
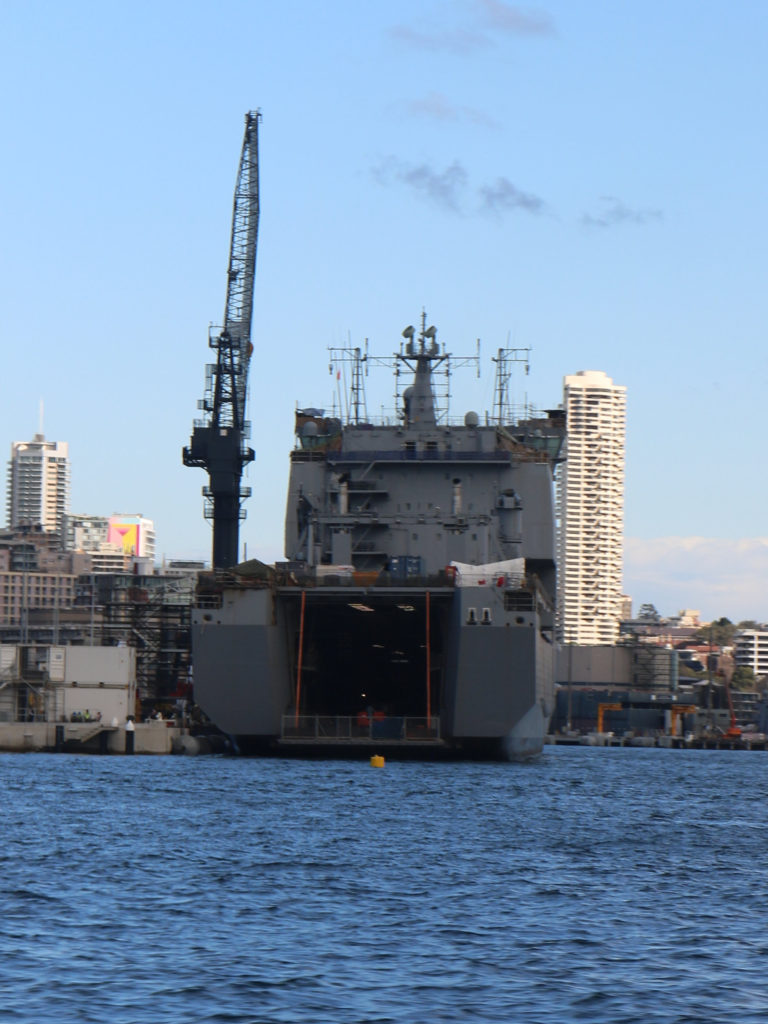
pixel 743 678
pixel 648 613
pixel 719 633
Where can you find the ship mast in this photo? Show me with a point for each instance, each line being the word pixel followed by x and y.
pixel 418 399
pixel 504 359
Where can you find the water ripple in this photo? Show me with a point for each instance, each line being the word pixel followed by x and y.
pixel 590 885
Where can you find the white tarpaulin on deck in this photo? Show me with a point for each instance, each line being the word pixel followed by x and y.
pixel 510 573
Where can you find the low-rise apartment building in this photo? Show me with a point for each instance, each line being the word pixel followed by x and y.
pixel 751 650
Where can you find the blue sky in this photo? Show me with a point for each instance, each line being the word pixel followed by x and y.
pixel 586 179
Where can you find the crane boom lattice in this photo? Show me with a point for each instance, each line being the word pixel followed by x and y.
pixel 218 442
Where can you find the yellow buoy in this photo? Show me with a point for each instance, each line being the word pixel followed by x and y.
pixel 377 761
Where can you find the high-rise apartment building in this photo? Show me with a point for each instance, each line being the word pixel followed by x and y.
pixel 38 484
pixel 590 497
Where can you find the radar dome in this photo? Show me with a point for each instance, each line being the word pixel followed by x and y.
pixel 471 419
pixel 309 429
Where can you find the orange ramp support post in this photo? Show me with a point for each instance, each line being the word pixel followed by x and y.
pixel 301 656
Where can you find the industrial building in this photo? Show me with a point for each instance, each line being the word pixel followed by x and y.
pixel 78 699
pixel 53 597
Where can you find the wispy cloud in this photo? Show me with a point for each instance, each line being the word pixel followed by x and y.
pixel 613 212
pixel 438 107
pixel 716 577
pixel 503 195
pixel 445 188
pixel 451 188
pixel 486 20
pixel 459 41
pixel 514 19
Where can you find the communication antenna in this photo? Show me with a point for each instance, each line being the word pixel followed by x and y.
pixel 505 360
pixel 356 402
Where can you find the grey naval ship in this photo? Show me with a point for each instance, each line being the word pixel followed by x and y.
pixel 414 614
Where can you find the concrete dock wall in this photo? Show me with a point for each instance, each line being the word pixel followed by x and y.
pixel 86 737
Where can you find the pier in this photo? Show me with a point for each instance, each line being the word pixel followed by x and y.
pixel 758 741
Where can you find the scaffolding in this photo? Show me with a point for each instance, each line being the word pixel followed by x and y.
pixel 151 614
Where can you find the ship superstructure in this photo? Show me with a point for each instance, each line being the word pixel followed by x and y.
pixel 415 608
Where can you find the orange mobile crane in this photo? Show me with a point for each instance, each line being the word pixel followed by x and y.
pixel 601 709
pixel 733 732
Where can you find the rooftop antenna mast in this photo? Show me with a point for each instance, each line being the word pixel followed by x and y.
pixel 218 443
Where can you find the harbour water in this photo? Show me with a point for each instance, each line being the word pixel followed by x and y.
pixel 599 885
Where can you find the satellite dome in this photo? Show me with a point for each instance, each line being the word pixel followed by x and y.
pixel 471 419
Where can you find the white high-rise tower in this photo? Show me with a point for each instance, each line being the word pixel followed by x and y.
pixel 591 510
pixel 38 484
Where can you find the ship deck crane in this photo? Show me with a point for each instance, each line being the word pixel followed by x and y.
pixel 218 442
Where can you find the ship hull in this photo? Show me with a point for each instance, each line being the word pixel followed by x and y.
pixel 414 672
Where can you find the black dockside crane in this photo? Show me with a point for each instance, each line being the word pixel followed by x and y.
pixel 219 441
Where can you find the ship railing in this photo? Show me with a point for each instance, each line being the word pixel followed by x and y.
pixel 361 728
pixel 522 453
pixel 376 578
pixel 437 581
pixel 392 418
pixel 418 455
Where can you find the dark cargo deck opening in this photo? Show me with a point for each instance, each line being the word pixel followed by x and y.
pixel 368 652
